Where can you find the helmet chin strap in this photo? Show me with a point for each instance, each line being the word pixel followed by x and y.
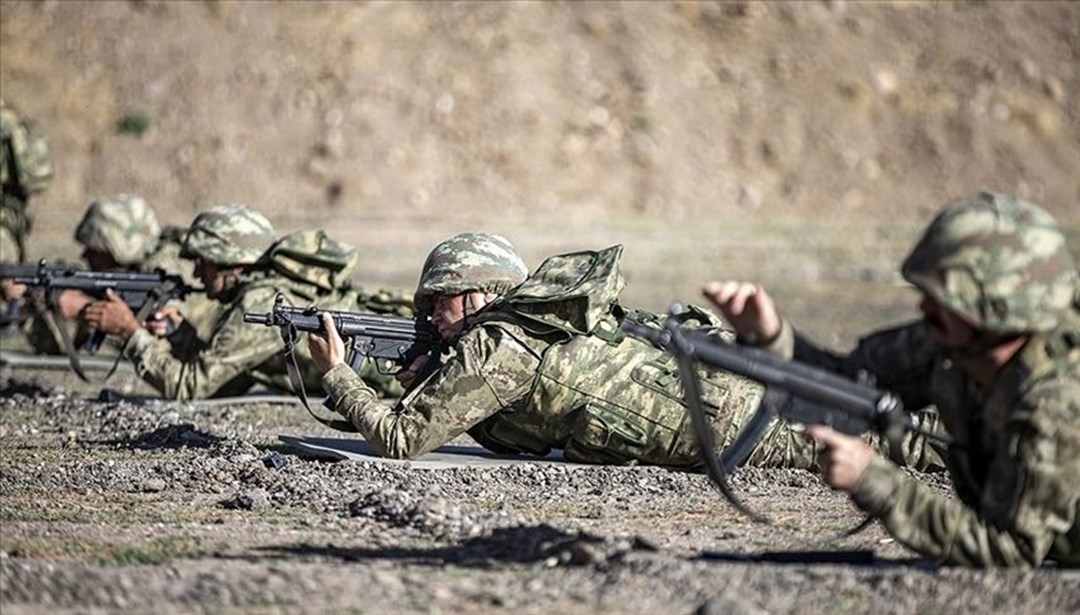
pixel 231 286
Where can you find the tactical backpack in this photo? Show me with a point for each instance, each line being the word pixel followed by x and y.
pixel 573 293
pixel 313 258
pixel 627 405
pixel 578 294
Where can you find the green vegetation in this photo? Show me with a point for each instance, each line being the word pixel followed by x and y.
pixel 134 123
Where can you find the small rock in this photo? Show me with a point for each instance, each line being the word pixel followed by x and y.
pixel 1054 89
pixel 727 605
pixel 256 499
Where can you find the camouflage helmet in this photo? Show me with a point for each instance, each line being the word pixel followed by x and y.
pixel 469 262
pixel 228 235
pixel 123 226
pixel 998 261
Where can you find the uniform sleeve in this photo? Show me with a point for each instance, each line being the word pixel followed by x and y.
pixel 900 360
pixel 489 372
pixel 1030 498
pixel 234 351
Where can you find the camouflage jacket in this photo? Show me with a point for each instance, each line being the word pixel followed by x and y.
pixel 615 400
pixel 236 355
pixel 1017 454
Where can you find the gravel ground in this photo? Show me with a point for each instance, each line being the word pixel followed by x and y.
pixel 180 507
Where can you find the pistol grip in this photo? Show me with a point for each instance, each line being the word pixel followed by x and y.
pixel 93 343
pixel 355 360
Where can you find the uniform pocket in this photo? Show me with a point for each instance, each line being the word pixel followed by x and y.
pixel 613 435
pixel 662 377
pixel 500 435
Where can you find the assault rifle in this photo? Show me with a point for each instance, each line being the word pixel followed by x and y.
pixel 396 339
pixel 795 392
pixel 144 293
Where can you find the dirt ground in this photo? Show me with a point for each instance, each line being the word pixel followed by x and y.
pixel 177 507
pixel 802 144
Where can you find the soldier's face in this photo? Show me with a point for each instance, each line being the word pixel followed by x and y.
pixel 99 260
pixel 216 280
pixel 949 330
pixel 448 315
pixel 450 311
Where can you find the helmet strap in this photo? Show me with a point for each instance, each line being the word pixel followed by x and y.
pixel 233 281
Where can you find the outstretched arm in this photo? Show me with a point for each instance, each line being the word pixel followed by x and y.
pixel 489 372
pixel 1029 500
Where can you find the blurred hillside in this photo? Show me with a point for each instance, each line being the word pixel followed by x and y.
pixel 561 124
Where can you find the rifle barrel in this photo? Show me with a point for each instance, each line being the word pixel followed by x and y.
pixel 803 381
pixel 258 319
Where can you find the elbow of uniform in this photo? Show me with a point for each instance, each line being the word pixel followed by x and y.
pixel 179 394
pixel 397 452
pixel 396 449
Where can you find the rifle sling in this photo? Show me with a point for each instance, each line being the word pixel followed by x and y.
pixel 736 453
pixel 714 467
pixel 48 316
pixel 150 306
pixel 289 335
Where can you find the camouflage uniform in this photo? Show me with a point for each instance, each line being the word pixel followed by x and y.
pixel 10 245
pixel 1002 264
pixel 547 367
pixel 125 227
pixel 236 355
pixel 25 168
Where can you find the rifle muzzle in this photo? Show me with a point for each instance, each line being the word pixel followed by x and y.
pixel 259 319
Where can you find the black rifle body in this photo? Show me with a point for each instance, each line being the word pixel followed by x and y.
pixel 394 338
pixel 134 288
pixel 138 290
pixel 829 399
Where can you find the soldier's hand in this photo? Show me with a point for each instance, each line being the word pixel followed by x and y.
pixel 112 316
pixel 69 303
pixel 327 350
pixel 10 291
pixel 843 459
pixel 748 308
pixel 164 321
pixel 407 375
